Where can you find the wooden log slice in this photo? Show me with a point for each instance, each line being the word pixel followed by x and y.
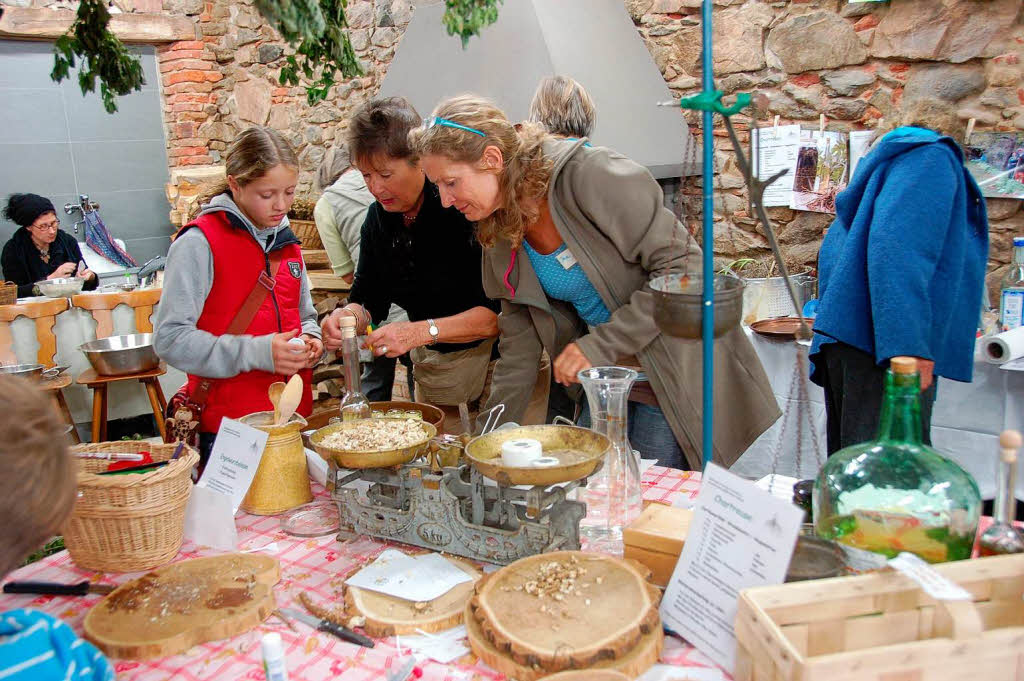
pixel 169 610
pixel 632 664
pixel 387 615
pixel 567 610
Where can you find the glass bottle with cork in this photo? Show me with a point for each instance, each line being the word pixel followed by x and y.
pixel 354 404
pixel 1002 538
pixel 895 493
pixel 1011 290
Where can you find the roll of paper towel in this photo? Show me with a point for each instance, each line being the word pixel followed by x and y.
pixel 1004 347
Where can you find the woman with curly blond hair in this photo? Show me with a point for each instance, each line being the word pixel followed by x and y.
pixel 572 234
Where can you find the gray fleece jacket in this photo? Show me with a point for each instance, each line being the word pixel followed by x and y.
pixel 187 281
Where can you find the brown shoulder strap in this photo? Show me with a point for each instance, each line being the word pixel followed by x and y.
pixel 246 313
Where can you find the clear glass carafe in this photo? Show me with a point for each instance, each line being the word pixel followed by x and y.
pixel 613 493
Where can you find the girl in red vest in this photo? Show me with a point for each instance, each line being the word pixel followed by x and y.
pixel 235 291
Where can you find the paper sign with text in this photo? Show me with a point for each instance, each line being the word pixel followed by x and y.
pixel 741 536
pixel 233 462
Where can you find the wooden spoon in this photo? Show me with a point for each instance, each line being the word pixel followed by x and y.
pixel 275 398
pixel 290 399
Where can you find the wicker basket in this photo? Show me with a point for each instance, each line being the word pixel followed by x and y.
pixel 307 233
pixel 8 292
pixel 126 523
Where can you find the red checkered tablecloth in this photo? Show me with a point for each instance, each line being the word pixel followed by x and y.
pixel 316 566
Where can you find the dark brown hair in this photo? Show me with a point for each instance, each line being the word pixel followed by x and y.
pixel 255 151
pixel 38 477
pixel 381 127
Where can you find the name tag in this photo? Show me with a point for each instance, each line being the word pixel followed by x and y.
pixel 566 259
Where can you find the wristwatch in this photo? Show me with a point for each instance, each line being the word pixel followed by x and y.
pixel 432 330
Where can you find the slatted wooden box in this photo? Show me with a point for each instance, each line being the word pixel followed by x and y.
pixel 882 627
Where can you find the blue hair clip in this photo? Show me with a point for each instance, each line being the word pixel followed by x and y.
pixel 437 120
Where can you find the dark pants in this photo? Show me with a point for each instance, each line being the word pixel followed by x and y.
pixel 854 385
pixel 379 378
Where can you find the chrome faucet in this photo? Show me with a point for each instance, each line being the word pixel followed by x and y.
pixel 83 206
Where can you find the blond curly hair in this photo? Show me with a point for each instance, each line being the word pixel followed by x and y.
pixel 523 179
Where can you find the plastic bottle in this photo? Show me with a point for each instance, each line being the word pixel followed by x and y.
pixel 273 657
pixel 1011 290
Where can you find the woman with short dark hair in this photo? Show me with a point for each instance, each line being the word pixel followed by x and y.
pixel 421 256
pixel 39 249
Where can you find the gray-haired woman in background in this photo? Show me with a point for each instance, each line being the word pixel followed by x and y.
pixel 562 106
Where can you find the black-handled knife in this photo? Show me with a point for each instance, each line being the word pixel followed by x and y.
pixel 344 633
pixel 57 589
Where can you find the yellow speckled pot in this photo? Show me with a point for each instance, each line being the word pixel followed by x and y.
pixel 282 480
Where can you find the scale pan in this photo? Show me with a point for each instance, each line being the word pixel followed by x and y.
pixel 678 305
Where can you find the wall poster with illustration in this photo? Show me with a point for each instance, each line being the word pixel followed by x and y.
pixel 996 160
pixel 821 170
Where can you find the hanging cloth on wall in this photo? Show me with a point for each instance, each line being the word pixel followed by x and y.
pixel 98 239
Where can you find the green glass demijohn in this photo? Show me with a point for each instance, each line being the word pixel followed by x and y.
pixel 895 493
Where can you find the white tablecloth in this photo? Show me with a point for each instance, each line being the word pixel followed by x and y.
pixel 966 420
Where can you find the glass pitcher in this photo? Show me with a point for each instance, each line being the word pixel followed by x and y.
pixel 613 494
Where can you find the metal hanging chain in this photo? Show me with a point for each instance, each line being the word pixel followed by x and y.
pixel 798 387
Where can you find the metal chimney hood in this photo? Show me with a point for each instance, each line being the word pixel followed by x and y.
pixel 593 41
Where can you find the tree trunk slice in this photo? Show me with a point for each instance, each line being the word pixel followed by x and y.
pixel 169 610
pixel 588 675
pixel 639 659
pixel 387 615
pixel 605 614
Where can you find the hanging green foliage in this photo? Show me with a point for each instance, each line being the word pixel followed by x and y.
pixel 466 18
pixel 318 32
pixel 317 29
pixel 103 56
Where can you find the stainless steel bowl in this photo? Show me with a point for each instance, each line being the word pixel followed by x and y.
pixel 30 371
pixel 61 288
pixel 121 355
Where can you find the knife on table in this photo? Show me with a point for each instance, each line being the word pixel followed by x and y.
pixel 327 627
pixel 58 589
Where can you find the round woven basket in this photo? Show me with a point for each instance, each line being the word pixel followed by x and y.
pixel 127 523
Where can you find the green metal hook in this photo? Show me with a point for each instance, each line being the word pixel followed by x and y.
pixel 712 101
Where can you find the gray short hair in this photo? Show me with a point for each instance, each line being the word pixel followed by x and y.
pixel 562 106
pixel 336 161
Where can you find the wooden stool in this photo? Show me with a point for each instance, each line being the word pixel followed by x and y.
pixel 44 313
pixel 101 305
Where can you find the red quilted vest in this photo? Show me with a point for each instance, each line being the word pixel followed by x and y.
pixel 238 261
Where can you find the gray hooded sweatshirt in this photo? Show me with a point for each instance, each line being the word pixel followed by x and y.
pixel 187 282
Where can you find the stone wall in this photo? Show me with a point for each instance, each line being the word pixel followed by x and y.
pixel 859 64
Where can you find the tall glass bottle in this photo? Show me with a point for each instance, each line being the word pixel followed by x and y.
pixel 895 493
pixel 1002 537
pixel 1011 290
pixel 354 404
pixel 612 494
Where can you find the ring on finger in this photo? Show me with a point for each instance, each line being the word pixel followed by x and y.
pixel 383 349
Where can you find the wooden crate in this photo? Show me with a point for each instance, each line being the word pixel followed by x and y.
pixel 882 627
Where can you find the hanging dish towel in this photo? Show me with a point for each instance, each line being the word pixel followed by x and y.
pixel 98 239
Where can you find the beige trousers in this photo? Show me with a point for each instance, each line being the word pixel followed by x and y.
pixel 536 410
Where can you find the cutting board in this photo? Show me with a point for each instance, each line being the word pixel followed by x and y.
pixel 169 610
pixel 568 610
pixel 387 615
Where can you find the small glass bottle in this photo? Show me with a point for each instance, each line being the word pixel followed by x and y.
pixel 894 493
pixel 1002 537
pixel 354 404
pixel 613 494
pixel 1011 290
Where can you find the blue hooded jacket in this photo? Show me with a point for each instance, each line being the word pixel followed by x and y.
pixel 902 267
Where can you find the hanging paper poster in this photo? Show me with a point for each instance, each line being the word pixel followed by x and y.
pixel 821 165
pixel 996 160
pixel 860 140
pixel 775 149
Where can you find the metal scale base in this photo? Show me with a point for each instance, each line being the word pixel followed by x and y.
pixel 456 512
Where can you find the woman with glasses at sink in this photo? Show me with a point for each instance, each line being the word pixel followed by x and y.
pixel 39 249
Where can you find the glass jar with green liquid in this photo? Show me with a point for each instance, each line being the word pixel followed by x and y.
pixel 895 493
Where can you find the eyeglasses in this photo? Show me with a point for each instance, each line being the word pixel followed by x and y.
pixel 437 120
pixel 49 226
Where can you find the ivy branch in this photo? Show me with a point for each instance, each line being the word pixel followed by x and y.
pixel 466 18
pixel 103 56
